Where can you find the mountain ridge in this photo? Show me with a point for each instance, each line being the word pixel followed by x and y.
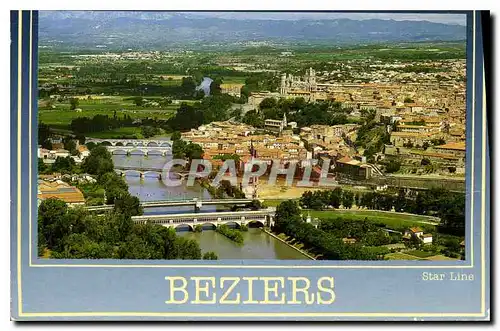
pixel 159 29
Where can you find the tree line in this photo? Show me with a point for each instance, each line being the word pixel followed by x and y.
pixel 100 123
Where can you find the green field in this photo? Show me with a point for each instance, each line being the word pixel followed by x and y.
pixel 61 116
pixel 392 220
pixel 234 79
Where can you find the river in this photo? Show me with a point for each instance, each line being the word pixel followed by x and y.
pixel 257 245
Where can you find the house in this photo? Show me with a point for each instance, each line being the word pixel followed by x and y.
pixel 414 231
pixel 426 238
pixel 84 151
pixel 417 232
pixel 43 153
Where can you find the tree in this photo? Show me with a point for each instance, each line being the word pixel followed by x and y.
pixel 79 246
pixel 149 131
pixel 51 221
pixel 98 162
pixel 42 167
pixel 63 164
pixel 347 199
pixel 139 101
pixel 253 118
pixel 286 212
pixel 415 242
pixel 73 103
pixel 268 103
pixel 210 256
pixel 335 197
pixel 176 135
pixel 70 145
pixel 188 85
pixel 128 205
pixel 194 152
pixel 215 88
pixel 44 135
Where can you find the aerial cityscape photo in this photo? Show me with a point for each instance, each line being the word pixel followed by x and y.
pixel 247 135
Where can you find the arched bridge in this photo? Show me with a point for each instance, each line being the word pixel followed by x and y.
pixel 145 150
pixel 263 217
pixel 131 142
pixel 149 172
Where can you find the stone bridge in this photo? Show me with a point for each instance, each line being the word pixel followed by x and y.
pixel 264 217
pixel 145 150
pixel 131 142
pixel 149 172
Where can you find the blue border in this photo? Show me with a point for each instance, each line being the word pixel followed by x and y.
pixel 236 263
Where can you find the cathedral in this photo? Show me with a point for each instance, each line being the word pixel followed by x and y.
pixel 294 85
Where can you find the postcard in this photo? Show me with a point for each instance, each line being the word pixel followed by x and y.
pixel 248 166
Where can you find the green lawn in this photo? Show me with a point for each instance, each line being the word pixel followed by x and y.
pixel 392 220
pixel 400 256
pixel 273 202
pixel 420 254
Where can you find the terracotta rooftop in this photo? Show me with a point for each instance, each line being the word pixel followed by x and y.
pixel 459 146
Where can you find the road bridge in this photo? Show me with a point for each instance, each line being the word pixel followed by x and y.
pixel 197 204
pixel 264 217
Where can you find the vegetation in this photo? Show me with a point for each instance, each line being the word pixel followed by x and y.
pixel 77 233
pixel 371 136
pixel 318 241
pixel 448 206
pixel 299 111
pixel 232 234
pixel 210 256
pixel 73 233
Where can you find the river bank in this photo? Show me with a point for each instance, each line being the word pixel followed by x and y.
pixel 288 244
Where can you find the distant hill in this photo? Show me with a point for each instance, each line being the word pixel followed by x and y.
pixel 166 29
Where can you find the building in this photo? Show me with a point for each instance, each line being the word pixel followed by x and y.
pixel 455 148
pixel 414 139
pixel 232 89
pixel 84 151
pixel 290 84
pixel 275 125
pixel 61 153
pixel 417 232
pixel 352 169
pixel 59 190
